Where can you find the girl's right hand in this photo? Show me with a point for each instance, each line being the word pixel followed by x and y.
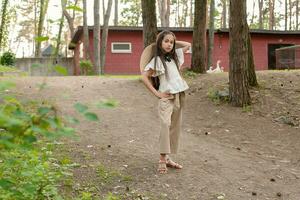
pixel 163 95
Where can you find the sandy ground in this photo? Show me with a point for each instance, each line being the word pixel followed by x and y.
pixel 227 152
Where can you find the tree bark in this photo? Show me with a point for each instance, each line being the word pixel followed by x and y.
pixel 191 13
pixel 290 14
pixel 116 19
pixel 69 19
pixel 3 22
pixel 85 32
pixel 104 36
pixel 43 11
pixel 238 54
pixel 260 14
pixel 164 12
pixel 58 41
pixel 96 36
pixel 199 37
pixel 271 14
pixel 149 22
pixel 251 66
pixel 297 14
pixel 224 14
pixel 211 34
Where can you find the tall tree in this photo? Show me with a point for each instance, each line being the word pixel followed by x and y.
pixel 260 14
pixel 58 40
pixel 85 32
pixel 290 14
pixel 191 13
pixel 42 14
pixel 211 33
pixel 164 12
pixel 28 23
pixel 97 37
pixel 104 35
pixel 271 14
pixel 3 25
pixel 238 54
pixel 252 80
pixel 297 14
pixel 253 12
pixel 224 14
pixel 71 16
pixel 285 14
pixel 149 22
pixel 116 19
pixel 199 37
pixel 131 14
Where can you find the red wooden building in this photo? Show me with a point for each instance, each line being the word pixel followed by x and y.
pixel 125 45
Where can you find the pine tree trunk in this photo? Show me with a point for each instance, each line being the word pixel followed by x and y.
pixel 85 32
pixel 224 14
pixel 238 54
pixel 149 22
pixel 199 37
pixel 260 15
pixel 271 14
pixel 191 13
pixel 211 34
pixel 285 15
pixel 43 11
pixel 97 37
pixel 58 41
pixel 104 36
pixel 297 14
pixel 251 67
pixel 291 13
pixel 116 19
pixel 3 22
pixel 70 20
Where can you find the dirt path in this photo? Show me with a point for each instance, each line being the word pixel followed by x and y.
pixel 225 151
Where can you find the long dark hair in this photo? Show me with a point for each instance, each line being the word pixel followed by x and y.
pixel 159 52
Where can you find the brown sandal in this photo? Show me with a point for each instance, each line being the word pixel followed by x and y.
pixel 162 167
pixel 170 163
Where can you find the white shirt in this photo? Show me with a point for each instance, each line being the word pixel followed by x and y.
pixel 172 83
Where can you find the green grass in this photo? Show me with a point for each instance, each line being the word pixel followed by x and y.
pixel 7 69
pixel 108 176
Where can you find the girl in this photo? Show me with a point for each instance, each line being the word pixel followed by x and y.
pixel 166 65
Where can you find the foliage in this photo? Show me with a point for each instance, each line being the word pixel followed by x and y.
pixel 190 74
pixel 86 67
pixel 131 13
pixel 27 168
pixel 31 174
pixel 7 69
pixel 61 70
pixel 8 58
pixel 218 96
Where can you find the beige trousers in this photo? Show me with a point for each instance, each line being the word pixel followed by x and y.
pixel 170 114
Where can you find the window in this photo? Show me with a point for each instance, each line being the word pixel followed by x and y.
pixel 121 47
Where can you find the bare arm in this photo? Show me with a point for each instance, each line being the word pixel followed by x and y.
pixel 146 79
pixel 184 45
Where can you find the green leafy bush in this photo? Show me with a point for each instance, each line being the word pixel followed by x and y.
pixel 8 59
pixel 86 67
pixel 28 132
pixel 218 96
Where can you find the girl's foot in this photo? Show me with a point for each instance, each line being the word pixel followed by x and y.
pixel 170 163
pixel 162 167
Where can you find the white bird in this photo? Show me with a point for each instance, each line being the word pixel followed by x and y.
pixel 210 70
pixel 218 68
